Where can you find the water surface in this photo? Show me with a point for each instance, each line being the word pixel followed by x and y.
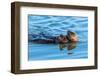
pixel 46 27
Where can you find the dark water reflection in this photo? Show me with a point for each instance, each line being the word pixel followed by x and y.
pixel 69 47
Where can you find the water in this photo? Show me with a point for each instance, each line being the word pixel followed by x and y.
pixel 47 27
pixel 52 51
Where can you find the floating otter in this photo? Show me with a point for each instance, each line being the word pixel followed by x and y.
pixel 70 37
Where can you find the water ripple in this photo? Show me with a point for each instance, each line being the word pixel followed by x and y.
pixel 56 25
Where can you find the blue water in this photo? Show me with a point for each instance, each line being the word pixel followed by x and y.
pixel 45 27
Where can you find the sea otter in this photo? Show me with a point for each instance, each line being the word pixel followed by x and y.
pixel 70 37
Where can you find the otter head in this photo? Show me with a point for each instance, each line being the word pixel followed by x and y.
pixel 72 36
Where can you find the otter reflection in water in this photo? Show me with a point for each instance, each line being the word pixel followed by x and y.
pixel 69 46
pixel 69 41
